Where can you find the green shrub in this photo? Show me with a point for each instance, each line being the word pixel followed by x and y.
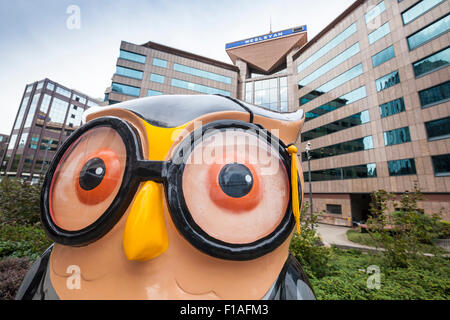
pixel 23 241
pixel 308 248
pixel 19 202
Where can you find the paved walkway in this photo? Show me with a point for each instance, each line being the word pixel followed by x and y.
pixel 336 235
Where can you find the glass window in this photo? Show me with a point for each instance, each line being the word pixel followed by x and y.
pixel 435 95
pixel 383 56
pixel 57 115
pixel 441 165
pixel 401 167
pixel 74 118
pixel 157 78
pixel 63 92
pixel 125 89
pixel 392 107
pixel 283 94
pixel 127 55
pixel 333 83
pixel 266 93
pixel 397 136
pixel 32 111
pixel 151 92
pixel 334 208
pixel 50 86
pixel 337 103
pixel 354 172
pixel 379 33
pixel 21 113
pixel 431 63
pixel 34 141
pixel 360 144
pixel 159 63
pixel 197 87
pixel 43 109
pixel 29 88
pixel 418 9
pixel 438 129
pixel 388 80
pixel 327 47
pixel 201 73
pixel 340 58
pixel 249 92
pixel 40 85
pixel 15 163
pixel 342 124
pixel 78 98
pixel 48 143
pixel 23 140
pixel 428 33
pixel 12 141
pixel 374 12
pixel 127 72
pixel 27 163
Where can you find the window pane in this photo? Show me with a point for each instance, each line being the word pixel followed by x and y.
pixel 159 63
pixel 125 89
pixel 388 81
pixel 23 140
pixel 435 61
pixel 379 33
pixel 201 73
pixel 249 92
pixel 392 107
pixel 433 30
pixel 12 141
pixel 401 167
pixel 127 55
pixel 383 56
pixel 340 58
pixel 327 47
pixel 57 115
pixel 345 123
pixel 354 172
pixel 397 136
pixel 360 144
pixel 32 111
pixel 157 78
pixel 74 118
pixel 337 103
pixel 435 95
pixel 153 93
pixel 21 113
pixel 197 87
pixel 63 92
pixel 127 72
pixel 418 9
pixel 376 11
pixel 334 208
pixel 441 164
pixel 332 84
pixel 438 129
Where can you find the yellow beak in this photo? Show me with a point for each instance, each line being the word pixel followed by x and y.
pixel 145 235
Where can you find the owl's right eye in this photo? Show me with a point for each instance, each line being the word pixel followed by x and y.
pixel 87 179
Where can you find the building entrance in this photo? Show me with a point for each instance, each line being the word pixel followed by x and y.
pixel 360 204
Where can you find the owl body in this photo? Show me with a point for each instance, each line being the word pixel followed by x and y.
pixel 172 197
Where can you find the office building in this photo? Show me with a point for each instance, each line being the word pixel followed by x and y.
pixel 48 114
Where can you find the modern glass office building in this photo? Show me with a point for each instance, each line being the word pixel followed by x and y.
pixel 374 85
pixel 48 113
pixel 399 80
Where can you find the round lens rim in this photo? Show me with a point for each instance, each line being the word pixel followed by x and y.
pixel 186 225
pixel 118 206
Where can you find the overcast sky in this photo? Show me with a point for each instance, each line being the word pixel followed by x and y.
pixel 36 42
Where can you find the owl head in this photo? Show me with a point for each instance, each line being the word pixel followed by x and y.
pixel 177 197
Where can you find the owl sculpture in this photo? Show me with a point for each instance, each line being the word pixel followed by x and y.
pixel 173 197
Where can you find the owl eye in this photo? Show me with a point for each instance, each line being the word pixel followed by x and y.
pixel 92 174
pixel 236 186
pixel 235 180
pixel 87 179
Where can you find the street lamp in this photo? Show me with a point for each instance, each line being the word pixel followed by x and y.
pixel 308 156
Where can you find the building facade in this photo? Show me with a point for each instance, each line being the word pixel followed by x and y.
pixel 3 144
pixel 48 114
pixel 374 85
pixel 375 88
pixel 153 69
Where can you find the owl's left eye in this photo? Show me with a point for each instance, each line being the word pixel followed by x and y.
pixel 236 186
